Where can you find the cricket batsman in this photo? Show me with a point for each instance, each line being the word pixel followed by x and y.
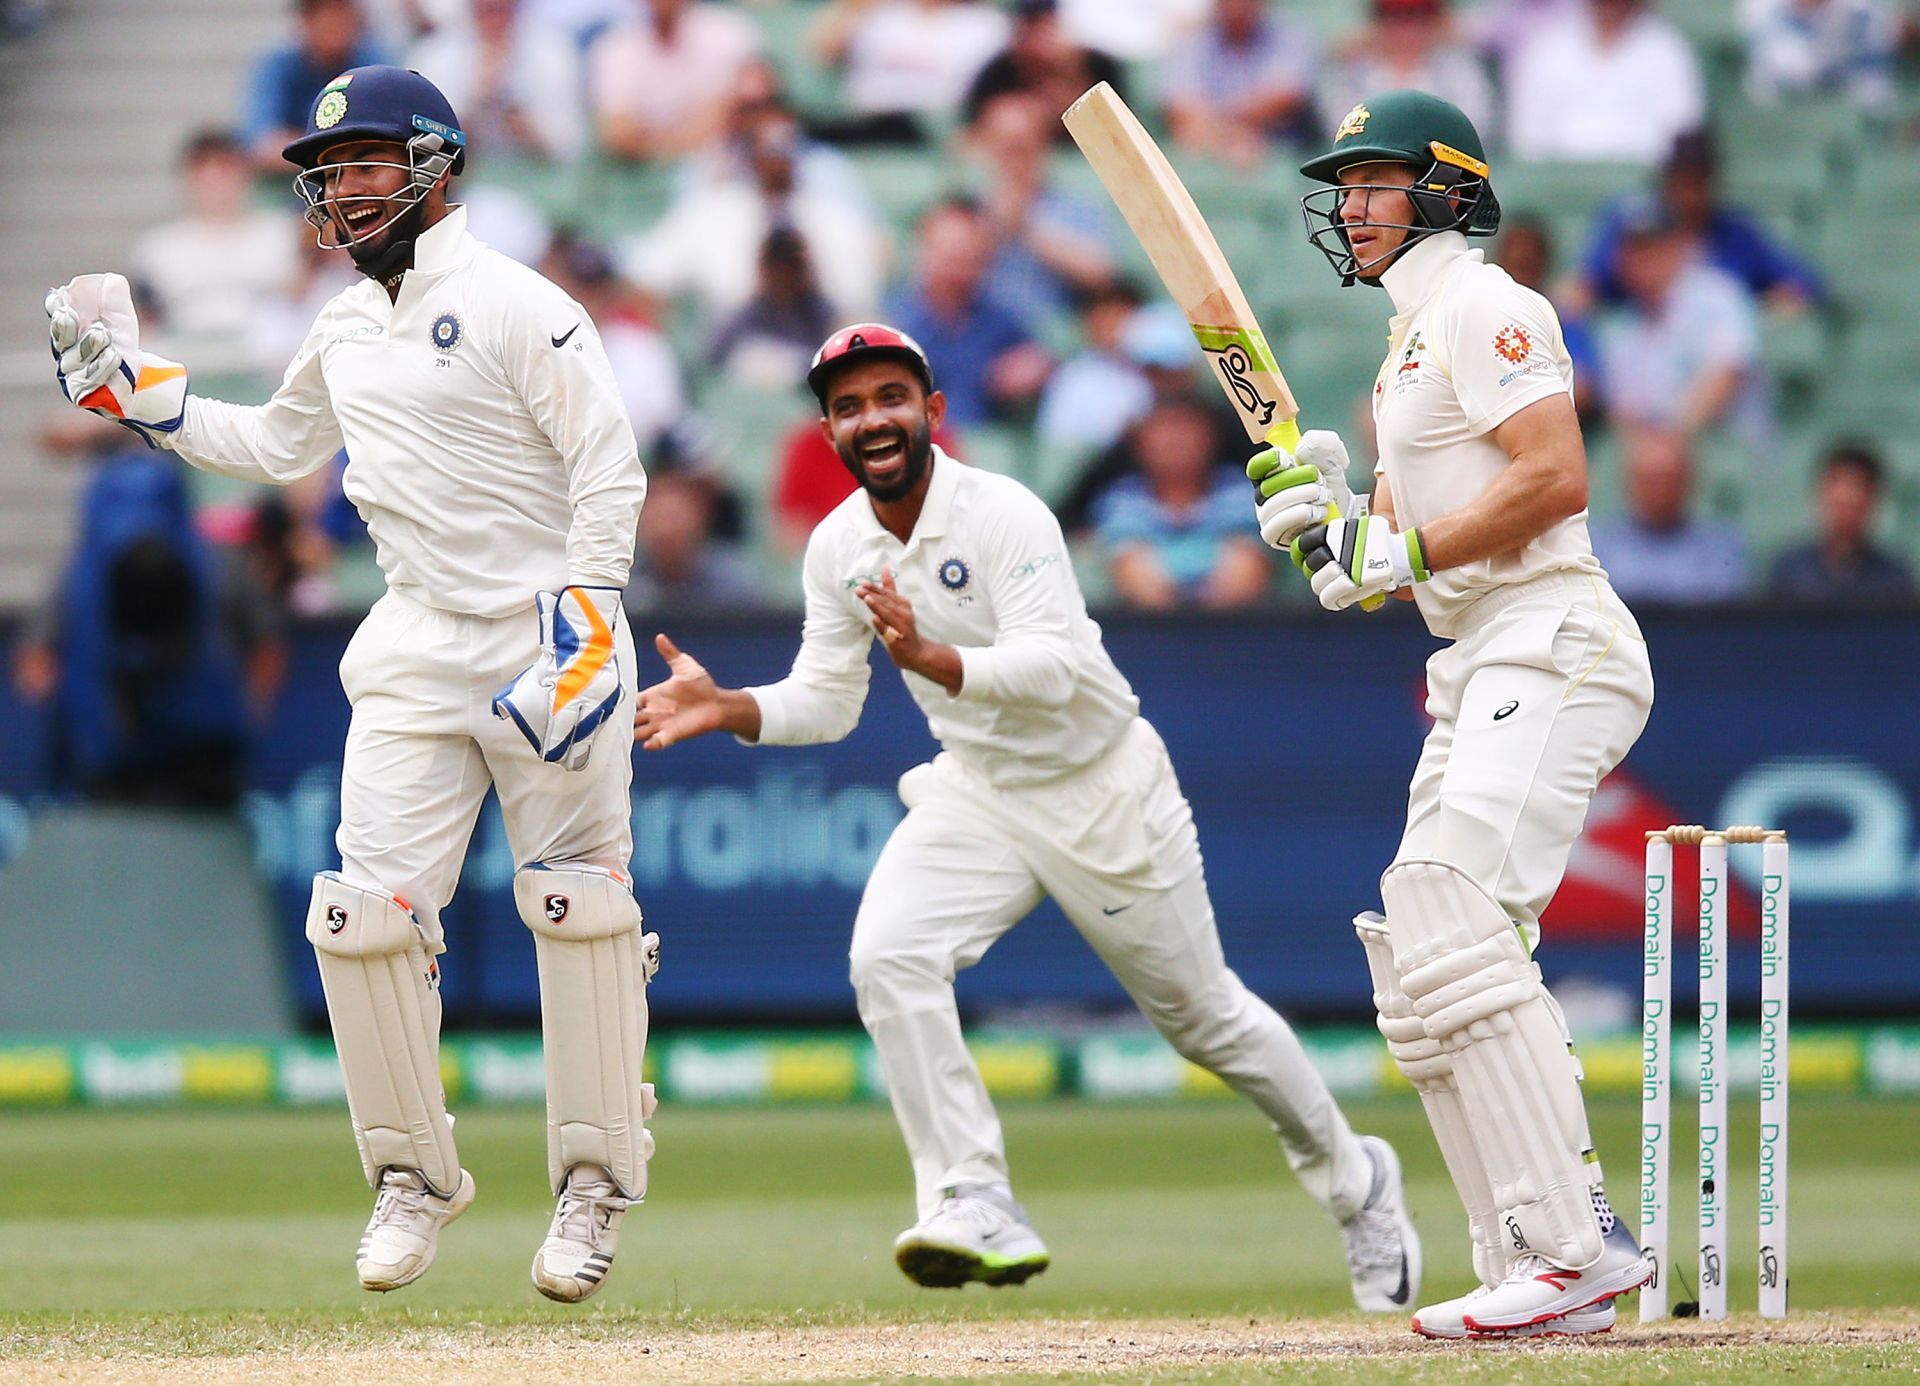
pixel 1479 515
pixel 1049 783
pixel 500 482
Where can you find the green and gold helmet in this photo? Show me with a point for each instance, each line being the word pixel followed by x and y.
pixel 1434 138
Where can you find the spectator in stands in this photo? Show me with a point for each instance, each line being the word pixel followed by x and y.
pixel 285 81
pixel 148 655
pixel 1158 341
pixel 1095 393
pixel 758 99
pixel 643 363
pixel 1801 48
pixel 1725 237
pixel 1612 81
pixel 708 244
pixel 659 85
pixel 1049 242
pixel 1040 59
pixel 983 350
pixel 1242 83
pixel 516 84
pixel 770 342
pixel 1683 350
pixel 209 273
pixel 1660 551
pixel 678 565
pixel 1139 31
pixel 1176 534
pixel 1497 29
pixel 1410 43
pixel 1843 564
pixel 1525 251
pixel 902 61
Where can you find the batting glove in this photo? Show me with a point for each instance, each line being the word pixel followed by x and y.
pixel 1298 489
pixel 95 338
pixel 1352 561
pixel 562 698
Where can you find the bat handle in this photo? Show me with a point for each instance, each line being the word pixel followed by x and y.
pixel 1286 434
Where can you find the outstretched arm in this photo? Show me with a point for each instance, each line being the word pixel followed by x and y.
pixel 688 703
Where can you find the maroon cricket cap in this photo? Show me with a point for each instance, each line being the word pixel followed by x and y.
pixel 865 339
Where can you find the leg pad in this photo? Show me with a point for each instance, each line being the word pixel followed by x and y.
pixel 1465 968
pixel 595 964
pixel 383 998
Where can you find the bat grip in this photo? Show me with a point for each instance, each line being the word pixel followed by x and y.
pixel 1286 434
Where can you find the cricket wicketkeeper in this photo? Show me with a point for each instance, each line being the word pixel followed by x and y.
pixel 1478 514
pixel 498 476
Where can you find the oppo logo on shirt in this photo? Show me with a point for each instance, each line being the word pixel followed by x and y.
pixel 354 334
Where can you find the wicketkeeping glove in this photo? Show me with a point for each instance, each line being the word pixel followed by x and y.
pixel 1352 560
pixel 562 698
pixel 1307 486
pixel 95 337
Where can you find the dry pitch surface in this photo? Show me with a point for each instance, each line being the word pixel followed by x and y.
pixel 1817 1347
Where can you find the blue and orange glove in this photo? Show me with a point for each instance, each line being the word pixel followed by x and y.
pixel 562 698
pixel 95 337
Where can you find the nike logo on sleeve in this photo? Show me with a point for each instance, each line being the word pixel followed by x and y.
pixel 562 340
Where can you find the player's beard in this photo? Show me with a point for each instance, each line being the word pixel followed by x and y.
pixel 389 250
pixel 918 447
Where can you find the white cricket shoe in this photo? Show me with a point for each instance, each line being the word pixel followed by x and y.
pixel 1383 1250
pixel 1447 1319
pixel 977 1233
pixel 585 1231
pixel 404 1232
pixel 1536 1290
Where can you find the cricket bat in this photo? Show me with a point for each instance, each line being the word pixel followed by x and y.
pixel 1185 255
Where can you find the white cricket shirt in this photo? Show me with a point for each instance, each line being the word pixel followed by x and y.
pixel 986 569
pixel 487 447
pixel 1467 349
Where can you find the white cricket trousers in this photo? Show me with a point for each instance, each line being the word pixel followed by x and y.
pixel 1114 844
pixel 423 747
pixel 1532 707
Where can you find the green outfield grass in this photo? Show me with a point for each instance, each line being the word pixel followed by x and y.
pixel 229 1233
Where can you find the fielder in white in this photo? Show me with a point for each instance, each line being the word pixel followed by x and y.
pixel 499 479
pixel 1050 783
pixel 1478 514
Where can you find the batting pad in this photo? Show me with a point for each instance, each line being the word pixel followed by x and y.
pixel 594 968
pixel 1465 968
pixel 383 998
pixel 1429 1067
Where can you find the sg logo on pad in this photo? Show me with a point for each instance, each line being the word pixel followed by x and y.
pixel 336 918
pixel 556 907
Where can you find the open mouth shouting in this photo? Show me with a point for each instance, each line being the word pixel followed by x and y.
pixel 883 455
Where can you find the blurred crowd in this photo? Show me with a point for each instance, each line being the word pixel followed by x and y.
pixel 796 165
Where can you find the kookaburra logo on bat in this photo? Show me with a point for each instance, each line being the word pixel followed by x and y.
pixel 1234 364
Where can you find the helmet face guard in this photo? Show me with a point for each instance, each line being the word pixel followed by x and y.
pixel 429 158
pixel 1453 194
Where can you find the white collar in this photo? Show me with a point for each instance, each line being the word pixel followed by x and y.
pixel 444 244
pixel 933 508
pixel 1412 279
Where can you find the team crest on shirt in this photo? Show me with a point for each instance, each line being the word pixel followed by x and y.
pixel 1406 371
pixel 1511 344
pixel 954 574
pixel 446 332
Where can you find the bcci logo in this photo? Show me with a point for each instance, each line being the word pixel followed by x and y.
pixel 954 574
pixel 555 907
pixel 446 332
pixel 336 918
